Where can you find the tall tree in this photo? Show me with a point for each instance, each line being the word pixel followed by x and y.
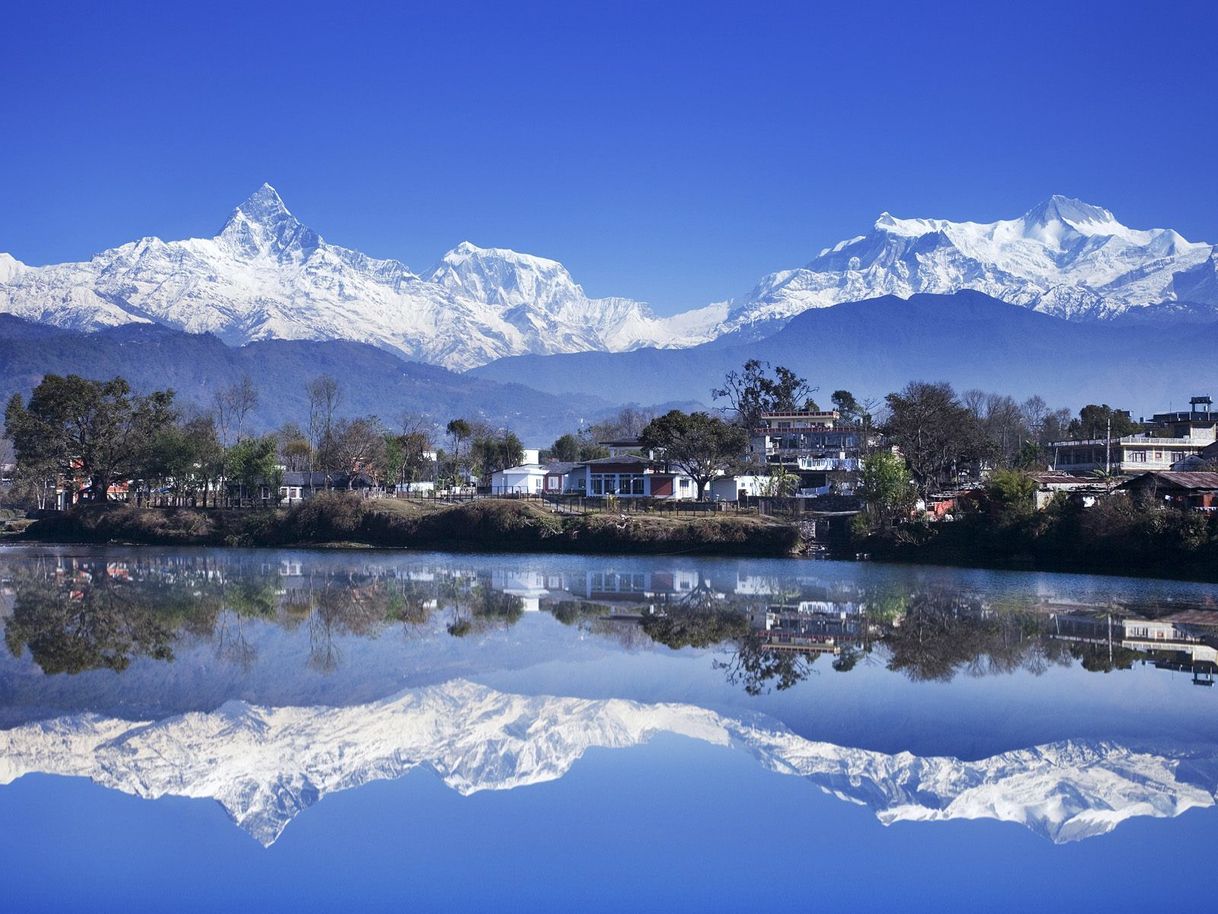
pixel 935 432
pixel 359 445
pixel 233 404
pixel 324 399
pixel 94 429
pixel 700 445
pixel 754 390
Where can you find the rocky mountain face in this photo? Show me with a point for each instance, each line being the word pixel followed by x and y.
pixel 266 765
pixel 268 276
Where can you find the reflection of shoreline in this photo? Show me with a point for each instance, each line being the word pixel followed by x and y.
pixel 266 765
pixel 75 613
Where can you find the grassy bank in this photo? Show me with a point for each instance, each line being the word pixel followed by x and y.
pixel 487 524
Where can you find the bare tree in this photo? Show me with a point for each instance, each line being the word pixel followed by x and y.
pixel 324 398
pixel 233 405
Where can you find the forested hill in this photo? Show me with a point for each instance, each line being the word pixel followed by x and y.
pixel 876 346
pixel 372 381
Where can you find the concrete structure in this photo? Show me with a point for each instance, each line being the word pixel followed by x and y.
pixel 564 479
pixel 526 479
pixel 821 448
pixel 731 487
pixel 631 476
pixel 1170 440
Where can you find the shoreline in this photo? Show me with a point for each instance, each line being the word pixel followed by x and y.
pixel 340 521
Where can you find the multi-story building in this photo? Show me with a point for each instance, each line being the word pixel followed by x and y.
pixel 820 447
pixel 1169 439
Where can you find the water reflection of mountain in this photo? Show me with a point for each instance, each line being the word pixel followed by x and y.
pixel 266 765
pixel 99 611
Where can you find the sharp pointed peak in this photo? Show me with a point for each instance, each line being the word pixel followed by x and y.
pixel 1061 208
pixel 264 203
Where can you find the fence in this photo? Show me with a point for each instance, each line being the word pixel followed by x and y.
pixel 582 504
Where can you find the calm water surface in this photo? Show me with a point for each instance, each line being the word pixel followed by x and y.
pixel 303 730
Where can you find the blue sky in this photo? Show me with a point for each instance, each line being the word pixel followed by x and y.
pixel 669 152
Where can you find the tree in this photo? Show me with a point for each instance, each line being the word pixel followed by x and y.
pixel 492 452
pixel 936 434
pixel 324 398
pixel 295 451
pixel 845 403
pixel 565 448
pixel 233 405
pixel 781 483
pixel 1012 493
pixel 1094 421
pixel 459 430
pixel 1002 423
pixel 251 463
pixel 885 487
pixel 753 391
pixel 700 445
pixel 94 429
pixel 359 445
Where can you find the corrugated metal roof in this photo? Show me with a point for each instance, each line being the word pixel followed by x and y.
pixel 1184 480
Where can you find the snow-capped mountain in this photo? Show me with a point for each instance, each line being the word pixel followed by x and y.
pixel 268 276
pixel 1063 257
pixel 266 765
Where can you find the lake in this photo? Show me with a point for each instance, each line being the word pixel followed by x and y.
pixel 204 729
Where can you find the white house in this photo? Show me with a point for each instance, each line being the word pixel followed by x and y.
pixel 730 488
pixel 526 479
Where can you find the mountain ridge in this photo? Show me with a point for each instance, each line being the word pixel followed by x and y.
pixel 266 275
pixel 266 765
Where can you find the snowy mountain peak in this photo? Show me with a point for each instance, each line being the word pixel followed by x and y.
pixel 1070 210
pixel 269 276
pixel 501 276
pixel 262 224
pixel 1064 257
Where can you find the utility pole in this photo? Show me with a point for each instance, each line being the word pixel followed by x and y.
pixel 1108 449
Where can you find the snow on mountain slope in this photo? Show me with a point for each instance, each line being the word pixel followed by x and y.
pixel 268 276
pixel 266 765
pixel 1062 257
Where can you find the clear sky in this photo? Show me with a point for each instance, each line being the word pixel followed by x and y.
pixel 668 152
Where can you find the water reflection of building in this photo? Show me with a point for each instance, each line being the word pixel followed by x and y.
pixel 818 627
pixel 1166 643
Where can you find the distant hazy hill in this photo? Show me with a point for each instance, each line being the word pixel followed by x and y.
pixel 876 346
pixel 196 365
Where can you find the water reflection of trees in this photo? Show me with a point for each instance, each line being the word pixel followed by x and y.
pixel 75 614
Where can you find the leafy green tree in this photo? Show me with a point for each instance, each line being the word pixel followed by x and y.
pixel 566 448
pixel 1093 422
pixel 95 429
pixel 886 487
pixel 1011 492
pixel 492 452
pixel 252 462
pixel 700 445
pixel 845 403
pixel 459 430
